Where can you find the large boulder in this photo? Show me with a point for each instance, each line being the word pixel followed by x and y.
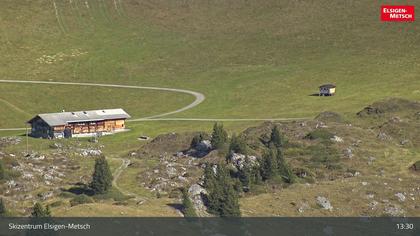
pixel 196 194
pixel 239 160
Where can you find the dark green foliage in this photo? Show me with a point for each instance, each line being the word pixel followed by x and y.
pixel 81 199
pixel 40 211
pixel 249 175
pixel 102 177
pixel 416 166
pixel 322 134
pixel 188 208
pixel 2 171
pixel 222 198
pixel 209 177
pixel 219 136
pixel 3 210
pixel 276 139
pixel 268 165
pixel 284 169
pixel 238 145
pixel 196 140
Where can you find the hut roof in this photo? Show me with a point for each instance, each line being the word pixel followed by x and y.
pixel 327 86
pixel 63 118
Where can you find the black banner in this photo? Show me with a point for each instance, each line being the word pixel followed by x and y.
pixel 312 226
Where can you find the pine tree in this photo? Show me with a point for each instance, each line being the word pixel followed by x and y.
pixel 219 136
pixel 102 177
pixel 284 169
pixel 222 197
pixel 229 197
pixel 209 176
pixel 276 139
pixel 3 210
pixel 39 211
pixel 2 170
pixel 238 145
pixel 188 210
pixel 268 165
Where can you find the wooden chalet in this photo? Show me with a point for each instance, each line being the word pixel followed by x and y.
pixel 78 124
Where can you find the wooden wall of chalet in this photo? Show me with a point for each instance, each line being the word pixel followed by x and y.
pixel 92 127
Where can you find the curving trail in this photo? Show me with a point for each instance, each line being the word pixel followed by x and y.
pixel 199 97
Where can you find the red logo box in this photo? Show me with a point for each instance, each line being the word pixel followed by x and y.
pixel 397 13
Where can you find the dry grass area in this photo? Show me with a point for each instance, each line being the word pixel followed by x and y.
pixel 153 208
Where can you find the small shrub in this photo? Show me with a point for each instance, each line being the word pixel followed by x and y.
pixel 56 204
pixel 322 134
pixel 238 145
pixel 81 199
pixel 416 166
pixel 67 194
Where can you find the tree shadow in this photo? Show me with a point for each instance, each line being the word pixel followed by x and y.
pixel 176 206
pixel 80 188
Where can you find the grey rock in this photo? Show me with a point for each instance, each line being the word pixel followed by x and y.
pixel 324 203
pixel 401 197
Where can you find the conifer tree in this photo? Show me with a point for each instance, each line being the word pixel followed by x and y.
pixel 3 210
pixel 238 145
pixel 284 169
pixel 268 165
pixel 2 170
pixel 222 197
pixel 276 139
pixel 39 211
pixel 188 210
pixel 102 177
pixel 219 136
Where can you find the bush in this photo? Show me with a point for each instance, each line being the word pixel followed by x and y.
pixel 81 199
pixel 39 211
pixel 188 208
pixel 320 134
pixel 3 174
pixel 56 204
pixel 219 137
pixel 238 145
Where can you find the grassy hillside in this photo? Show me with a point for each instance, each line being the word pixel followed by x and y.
pixel 252 59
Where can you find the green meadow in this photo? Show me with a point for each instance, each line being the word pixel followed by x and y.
pixel 252 59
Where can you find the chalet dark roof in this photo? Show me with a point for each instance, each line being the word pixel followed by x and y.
pixel 63 118
pixel 327 86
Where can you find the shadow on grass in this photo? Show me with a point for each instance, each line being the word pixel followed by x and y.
pixel 314 95
pixel 80 188
pixel 176 206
